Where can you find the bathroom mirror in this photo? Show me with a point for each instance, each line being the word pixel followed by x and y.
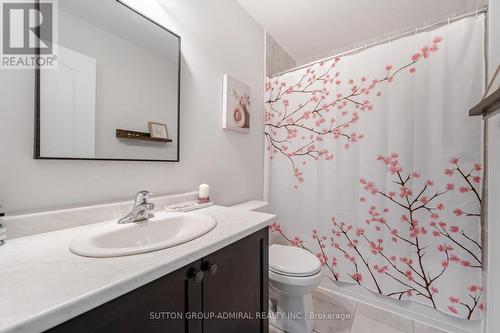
pixel 115 92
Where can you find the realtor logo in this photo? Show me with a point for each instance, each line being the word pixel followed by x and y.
pixel 28 34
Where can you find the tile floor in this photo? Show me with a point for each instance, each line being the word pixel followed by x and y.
pixel 361 318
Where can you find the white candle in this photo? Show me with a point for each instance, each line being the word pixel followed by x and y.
pixel 204 191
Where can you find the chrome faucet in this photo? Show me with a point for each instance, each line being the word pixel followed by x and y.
pixel 141 209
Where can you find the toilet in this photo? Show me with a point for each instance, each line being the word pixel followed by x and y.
pixel 294 273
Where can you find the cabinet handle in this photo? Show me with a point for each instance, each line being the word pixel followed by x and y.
pixel 211 268
pixel 199 277
pixel 196 275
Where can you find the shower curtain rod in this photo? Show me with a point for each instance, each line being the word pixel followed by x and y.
pixel 386 38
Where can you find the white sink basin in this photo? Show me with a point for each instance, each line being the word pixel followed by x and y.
pixel 110 239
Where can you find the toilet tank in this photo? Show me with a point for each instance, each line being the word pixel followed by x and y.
pixel 254 205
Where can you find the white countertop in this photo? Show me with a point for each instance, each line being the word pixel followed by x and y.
pixel 43 284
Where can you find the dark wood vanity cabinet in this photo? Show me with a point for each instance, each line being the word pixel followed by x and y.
pixel 239 286
pixel 224 292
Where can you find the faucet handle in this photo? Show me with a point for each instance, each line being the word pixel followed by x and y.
pixel 142 197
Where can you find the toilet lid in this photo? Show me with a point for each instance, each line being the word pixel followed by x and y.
pixel 292 261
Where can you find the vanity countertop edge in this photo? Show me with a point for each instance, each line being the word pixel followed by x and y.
pixel 44 284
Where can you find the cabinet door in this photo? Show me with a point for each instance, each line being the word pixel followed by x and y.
pixel 239 285
pixel 159 306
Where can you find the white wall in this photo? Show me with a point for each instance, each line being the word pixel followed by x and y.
pixel 217 37
pixel 493 228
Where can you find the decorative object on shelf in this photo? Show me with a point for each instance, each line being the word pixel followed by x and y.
pixel 3 230
pixel 204 193
pixel 188 206
pixel 491 98
pixel 158 130
pixel 128 134
pixel 236 105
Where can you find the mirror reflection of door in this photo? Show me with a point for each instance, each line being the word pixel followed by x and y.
pixel 68 96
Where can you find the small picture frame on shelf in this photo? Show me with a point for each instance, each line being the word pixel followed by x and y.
pixel 158 130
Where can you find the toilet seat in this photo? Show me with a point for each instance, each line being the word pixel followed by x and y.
pixel 297 281
pixel 292 261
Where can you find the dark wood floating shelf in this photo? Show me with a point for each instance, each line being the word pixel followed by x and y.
pixel 488 105
pixel 134 135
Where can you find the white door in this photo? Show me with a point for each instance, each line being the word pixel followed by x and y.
pixel 67 106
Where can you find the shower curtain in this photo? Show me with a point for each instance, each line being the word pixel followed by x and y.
pixel 375 166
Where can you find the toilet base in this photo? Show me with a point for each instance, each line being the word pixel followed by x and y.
pixel 291 314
